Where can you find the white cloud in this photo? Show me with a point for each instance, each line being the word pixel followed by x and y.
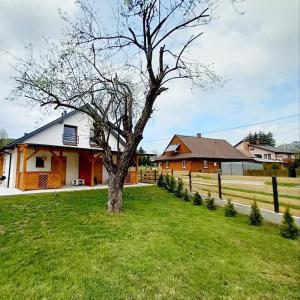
pixel 258 52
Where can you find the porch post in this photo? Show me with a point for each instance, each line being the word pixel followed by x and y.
pixel 92 170
pixel 24 173
pixel 137 168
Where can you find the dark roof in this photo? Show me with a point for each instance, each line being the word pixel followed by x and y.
pixel 57 121
pixel 273 149
pixel 205 148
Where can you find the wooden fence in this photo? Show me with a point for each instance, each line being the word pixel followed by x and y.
pixel 272 193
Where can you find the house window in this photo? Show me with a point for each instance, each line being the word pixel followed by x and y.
pixel 267 156
pixel 39 162
pixel 258 155
pixel 205 164
pixel 70 135
pixel 167 164
pixel 184 164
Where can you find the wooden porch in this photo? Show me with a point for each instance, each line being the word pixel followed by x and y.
pixel 90 168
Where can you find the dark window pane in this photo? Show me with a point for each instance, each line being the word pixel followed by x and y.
pixel 39 162
pixel 68 130
pixel 70 135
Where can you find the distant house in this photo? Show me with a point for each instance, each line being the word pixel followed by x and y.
pixel 265 153
pixel 198 154
pixel 58 154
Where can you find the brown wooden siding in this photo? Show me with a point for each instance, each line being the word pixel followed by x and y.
pixel 192 165
pixel 1 165
pixel 32 181
pixel 182 148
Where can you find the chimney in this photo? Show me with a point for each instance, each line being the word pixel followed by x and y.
pixel 199 135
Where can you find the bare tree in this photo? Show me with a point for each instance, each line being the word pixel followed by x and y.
pixel 114 74
pixel 3 137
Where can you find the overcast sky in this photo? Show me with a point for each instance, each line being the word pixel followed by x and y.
pixel 257 52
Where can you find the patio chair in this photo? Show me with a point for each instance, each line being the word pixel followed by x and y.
pixel 2 178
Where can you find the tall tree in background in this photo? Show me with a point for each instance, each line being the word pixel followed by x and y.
pixel 3 137
pixel 115 73
pixel 260 138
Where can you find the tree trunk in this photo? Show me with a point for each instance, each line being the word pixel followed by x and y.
pixel 115 187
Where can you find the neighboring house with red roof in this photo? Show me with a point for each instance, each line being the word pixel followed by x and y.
pixel 265 153
pixel 198 154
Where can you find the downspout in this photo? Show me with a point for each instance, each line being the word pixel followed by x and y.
pixel 9 167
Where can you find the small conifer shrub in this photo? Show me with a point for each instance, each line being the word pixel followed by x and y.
pixel 161 180
pixel 186 196
pixel 255 217
pixel 197 199
pixel 229 209
pixel 288 228
pixel 167 182
pixel 210 202
pixel 172 185
pixel 179 188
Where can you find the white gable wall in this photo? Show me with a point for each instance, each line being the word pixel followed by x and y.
pixel 53 134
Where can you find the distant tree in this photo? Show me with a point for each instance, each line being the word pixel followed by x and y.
pixel 261 138
pixel 294 146
pixel 3 137
pixel 143 160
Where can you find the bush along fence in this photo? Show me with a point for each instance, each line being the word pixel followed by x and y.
pixel 288 228
pixel 273 194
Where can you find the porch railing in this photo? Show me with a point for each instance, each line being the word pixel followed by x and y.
pixel 69 139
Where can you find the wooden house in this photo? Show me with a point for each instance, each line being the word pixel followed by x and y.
pixel 56 155
pixel 198 154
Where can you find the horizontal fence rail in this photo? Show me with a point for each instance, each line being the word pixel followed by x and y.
pixel 271 193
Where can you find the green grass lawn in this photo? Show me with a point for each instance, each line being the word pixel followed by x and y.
pixel 67 247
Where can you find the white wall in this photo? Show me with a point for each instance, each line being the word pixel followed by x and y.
pixel 72 170
pixel 31 162
pixel 12 180
pixel 53 134
pixel 104 175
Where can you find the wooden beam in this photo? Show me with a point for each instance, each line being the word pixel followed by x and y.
pixel 137 162
pixel 92 169
pixel 32 154
pixel 54 154
pixel 25 153
pixel 98 156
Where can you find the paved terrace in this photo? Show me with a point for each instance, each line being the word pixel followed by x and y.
pixel 4 191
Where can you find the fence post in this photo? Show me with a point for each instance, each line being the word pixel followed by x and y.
pixel 172 171
pixel 155 175
pixel 141 175
pixel 275 194
pixel 190 180
pixel 220 185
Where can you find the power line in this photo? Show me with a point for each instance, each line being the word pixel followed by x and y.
pixel 251 124
pixel 232 128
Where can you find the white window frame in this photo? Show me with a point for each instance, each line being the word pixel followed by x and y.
pixel 205 164
pixel 183 164
pixel 167 164
pixel 267 156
